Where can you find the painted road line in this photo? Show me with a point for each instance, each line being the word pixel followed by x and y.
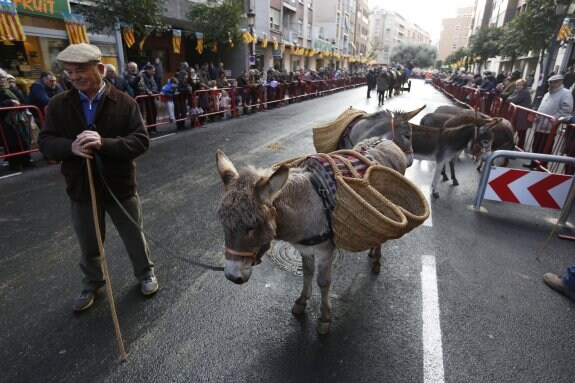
pixel 162 136
pixel 432 346
pixel 10 175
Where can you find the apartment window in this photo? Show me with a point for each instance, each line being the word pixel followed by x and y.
pixel 466 26
pixel 309 31
pixel 457 27
pixel 275 19
pixel 454 47
pixel 300 27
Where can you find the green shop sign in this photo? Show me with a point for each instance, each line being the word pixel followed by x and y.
pixel 46 8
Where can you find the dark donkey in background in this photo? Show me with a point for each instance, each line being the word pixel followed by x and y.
pixel 442 144
pixel 448 116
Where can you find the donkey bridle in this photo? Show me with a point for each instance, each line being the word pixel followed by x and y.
pixel 256 255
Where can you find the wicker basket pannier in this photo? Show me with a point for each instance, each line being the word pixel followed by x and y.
pixel 401 192
pixel 362 217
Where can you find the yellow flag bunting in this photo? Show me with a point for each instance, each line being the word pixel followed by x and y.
pixel 230 40
pixel 148 29
pixel 564 32
pixel 128 35
pixel 76 28
pixel 246 35
pixel 265 40
pixel 200 43
pixel 176 40
pixel 10 27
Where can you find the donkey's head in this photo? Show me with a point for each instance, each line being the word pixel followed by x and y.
pixel 483 138
pixel 392 125
pixel 247 214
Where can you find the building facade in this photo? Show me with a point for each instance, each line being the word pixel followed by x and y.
pixel 455 32
pixel 389 29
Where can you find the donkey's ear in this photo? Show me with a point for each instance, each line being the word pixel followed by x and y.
pixel 226 169
pixel 413 113
pixel 270 187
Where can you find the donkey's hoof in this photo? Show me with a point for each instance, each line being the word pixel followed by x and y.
pixel 297 309
pixel 435 194
pixel 376 268
pixel 455 182
pixel 444 178
pixel 323 327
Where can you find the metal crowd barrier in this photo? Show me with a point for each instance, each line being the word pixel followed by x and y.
pixel 535 133
pixel 12 141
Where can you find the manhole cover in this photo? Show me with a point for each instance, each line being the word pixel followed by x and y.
pixel 287 258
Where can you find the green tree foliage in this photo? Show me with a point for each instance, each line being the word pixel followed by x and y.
pixel 485 43
pixel 511 43
pixel 536 26
pixel 456 56
pixel 99 14
pixel 422 56
pixel 217 20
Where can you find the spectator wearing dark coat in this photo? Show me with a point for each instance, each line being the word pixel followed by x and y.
pixel 371 80
pixel 43 90
pixel 118 82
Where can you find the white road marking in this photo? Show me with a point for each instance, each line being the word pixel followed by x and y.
pixel 162 136
pixel 10 175
pixel 432 346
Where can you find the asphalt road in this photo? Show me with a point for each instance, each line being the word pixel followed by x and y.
pixel 459 299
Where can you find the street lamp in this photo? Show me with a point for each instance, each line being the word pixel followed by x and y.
pixel 561 9
pixel 251 22
pixel 333 54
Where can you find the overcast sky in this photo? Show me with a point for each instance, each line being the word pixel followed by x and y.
pixel 428 14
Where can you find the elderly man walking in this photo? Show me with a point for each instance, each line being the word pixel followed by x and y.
pixel 557 102
pixel 94 119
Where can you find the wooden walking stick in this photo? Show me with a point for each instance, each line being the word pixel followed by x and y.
pixel 123 356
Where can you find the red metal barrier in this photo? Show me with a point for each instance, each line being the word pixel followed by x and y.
pixel 16 142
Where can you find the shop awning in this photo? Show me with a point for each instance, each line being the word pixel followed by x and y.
pixel 10 27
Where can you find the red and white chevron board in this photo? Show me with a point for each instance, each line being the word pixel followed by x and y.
pixel 528 188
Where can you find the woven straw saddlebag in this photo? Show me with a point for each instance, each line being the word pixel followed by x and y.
pixel 372 209
pixel 326 137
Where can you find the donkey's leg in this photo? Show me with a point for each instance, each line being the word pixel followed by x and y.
pixel 444 174
pixel 324 264
pixel 452 171
pixel 298 307
pixel 375 254
pixel 438 165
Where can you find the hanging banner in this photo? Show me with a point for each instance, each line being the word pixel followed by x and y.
pixel 246 36
pixel 265 40
pixel 128 35
pixel 44 8
pixel 200 43
pixel 10 27
pixel 215 47
pixel 276 44
pixel 148 30
pixel 231 41
pixel 176 40
pixel 76 28
pixel 564 32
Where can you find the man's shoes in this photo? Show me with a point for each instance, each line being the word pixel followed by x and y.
pixel 85 300
pixel 556 283
pixel 149 285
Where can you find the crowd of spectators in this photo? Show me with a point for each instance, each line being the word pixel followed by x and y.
pixel 194 93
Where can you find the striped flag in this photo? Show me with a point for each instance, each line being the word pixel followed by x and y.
pixel 564 32
pixel 231 41
pixel 128 35
pixel 215 47
pixel 147 31
pixel 76 28
pixel 176 40
pixel 276 44
pixel 265 40
pixel 200 43
pixel 247 36
pixel 10 27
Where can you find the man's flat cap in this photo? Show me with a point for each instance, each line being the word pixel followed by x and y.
pixel 557 77
pixel 80 54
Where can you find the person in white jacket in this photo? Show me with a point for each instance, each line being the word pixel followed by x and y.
pixel 557 102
